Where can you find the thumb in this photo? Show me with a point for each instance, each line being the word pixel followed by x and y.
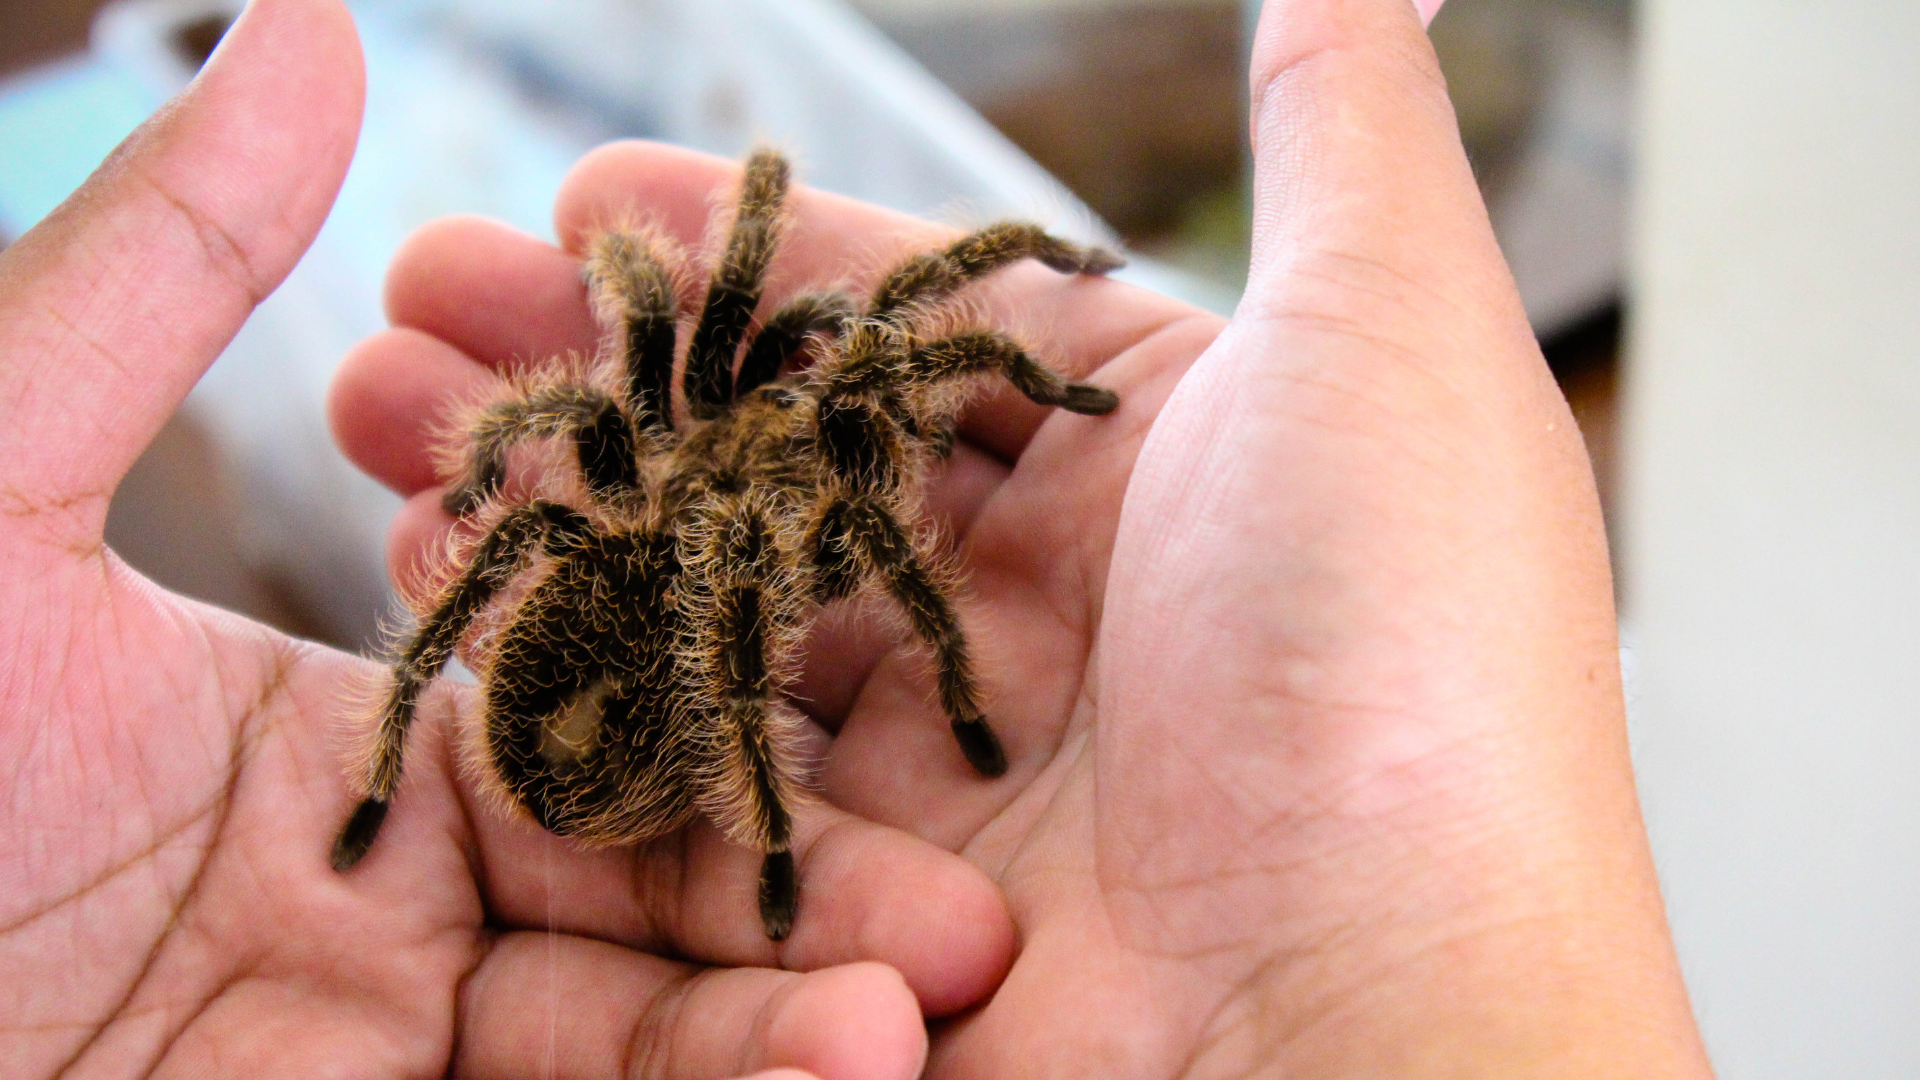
pixel 112 307
pixel 1362 187
pixel 1370 473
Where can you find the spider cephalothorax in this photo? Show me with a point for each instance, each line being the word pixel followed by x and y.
pixel 639 615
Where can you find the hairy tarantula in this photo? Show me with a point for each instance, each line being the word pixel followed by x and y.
pixel 634 644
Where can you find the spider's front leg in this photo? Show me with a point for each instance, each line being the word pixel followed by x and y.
pixel 633 300
pixel 601 433
pixel 735 289
pixel 984 350
pixel 884 365
pixel 930 278
pixel 785 331
pixel 495 561
pixel 751 601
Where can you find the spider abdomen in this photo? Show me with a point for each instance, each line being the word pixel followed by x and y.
pixel 585 720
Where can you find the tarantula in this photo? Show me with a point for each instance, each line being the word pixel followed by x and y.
pixel 631 647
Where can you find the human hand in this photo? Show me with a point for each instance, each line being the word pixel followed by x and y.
pixel 173 785
pixel 1304 659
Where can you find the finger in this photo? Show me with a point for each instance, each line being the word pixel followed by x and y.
pixel 1389 238
pixel 504 298
pixel 390 401
pixel 566 1007
pixel 114 305
pixel 418 556
pixel 866 893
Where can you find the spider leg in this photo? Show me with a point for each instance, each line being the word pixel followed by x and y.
pixel 752 598
pixel 868 366
pixel 830 548
pixel 965 354
pixel 427 652
pixel 858 532
pixel 813 313
pixel 939 433
pixel 861 441
pixel 633 296
pixel 601 434
pixel 926 278
pixel 735 289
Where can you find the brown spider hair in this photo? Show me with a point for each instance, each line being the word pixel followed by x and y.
pixel 642 614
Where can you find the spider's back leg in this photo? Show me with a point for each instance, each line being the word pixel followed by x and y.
pixel 928 278
pixel 494 562
pixel 736 286
pixel 634 300
pixel 750 603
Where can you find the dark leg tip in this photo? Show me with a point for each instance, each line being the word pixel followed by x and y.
pixel 779 895
pixel 358 835
pixel 981 746
pixel 1101 261
pixel 1089 400
pixel 1072 259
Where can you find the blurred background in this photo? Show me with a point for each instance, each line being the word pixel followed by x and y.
pixel 1712 210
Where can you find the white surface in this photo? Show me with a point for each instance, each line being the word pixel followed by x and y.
pixel 1773 523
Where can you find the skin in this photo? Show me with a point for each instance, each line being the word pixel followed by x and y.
pixel 1304 660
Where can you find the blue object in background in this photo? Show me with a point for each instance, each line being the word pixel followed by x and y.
pixel 58 123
